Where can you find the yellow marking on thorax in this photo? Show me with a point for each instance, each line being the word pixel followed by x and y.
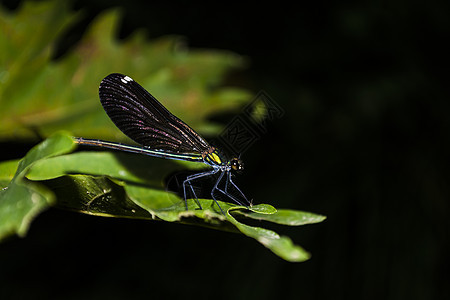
pixel 212 157
pixel 215 158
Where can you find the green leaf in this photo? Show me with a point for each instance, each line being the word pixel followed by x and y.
pixel 127 186
pixel 119 165
pixel 94 195
pixel 41 95
pixel 7 171
pixel 280 245
pixel 23 200
pixel 286 217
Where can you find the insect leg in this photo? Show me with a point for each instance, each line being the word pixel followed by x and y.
pixel 236 187
pixel 226 192
pixel 190 178
pixel 215 188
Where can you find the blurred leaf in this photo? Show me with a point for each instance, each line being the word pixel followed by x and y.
pixel 41 95
pixel 126 185
pixel 7 171
pixel 22 200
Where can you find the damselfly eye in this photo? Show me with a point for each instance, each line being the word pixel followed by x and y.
pixel 236 164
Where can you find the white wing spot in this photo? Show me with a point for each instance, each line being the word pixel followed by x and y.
pixel 126 79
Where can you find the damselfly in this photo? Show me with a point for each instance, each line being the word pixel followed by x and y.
pixel 146 121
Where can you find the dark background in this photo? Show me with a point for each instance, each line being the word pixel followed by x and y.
pixel 364 141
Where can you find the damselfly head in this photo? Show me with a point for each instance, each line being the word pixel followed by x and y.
pixel 236 164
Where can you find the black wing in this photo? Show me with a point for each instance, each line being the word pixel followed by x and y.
pixel 146 121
